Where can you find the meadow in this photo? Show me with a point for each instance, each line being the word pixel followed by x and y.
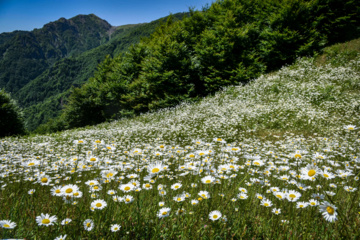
pixel 278 158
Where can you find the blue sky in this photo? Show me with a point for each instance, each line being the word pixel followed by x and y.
pixel 30 14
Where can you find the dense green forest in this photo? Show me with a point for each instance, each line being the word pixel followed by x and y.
pixel 230 42
pixel 12 118
pixel 43 93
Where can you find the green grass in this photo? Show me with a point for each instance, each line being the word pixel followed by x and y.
pixel 285 131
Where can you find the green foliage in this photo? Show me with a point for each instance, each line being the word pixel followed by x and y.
pixel 231 42
pixel 11 121
pixel 42 98
pixel 25 55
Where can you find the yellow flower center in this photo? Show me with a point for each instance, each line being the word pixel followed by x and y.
pixel 98 205
pixel 147 185
pixel 76 194
pixel 57 191
pixel 69 190
pixel 266 204
pixel 155 170
pixel 164 213
pixel 208 181
pixel 191 155
pixel 45 221
pixel 298 155
pixel 96 187
pixel 292 196
pixel 279 196
pixel 109 175
pixel 6 225
pixel 127 200
pixel 88 224
pixel 44 180
pixel 92 159
pixel 260 197
pixel 127 188
pixel 31 164
pixel 311 173
pixel 176 187
pixel 325 175
pixel 330 210
pixel 179 199
pixel 215 216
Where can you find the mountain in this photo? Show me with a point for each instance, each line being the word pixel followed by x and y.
pixel 73 50
pixel 26 54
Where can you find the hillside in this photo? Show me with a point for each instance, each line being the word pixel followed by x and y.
pixel 26 54
pixel 277 158
pixel 231 42
pixel 70 60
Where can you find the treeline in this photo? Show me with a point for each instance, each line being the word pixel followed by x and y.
pixel 11 116
pixel 43 97
pixel 230 42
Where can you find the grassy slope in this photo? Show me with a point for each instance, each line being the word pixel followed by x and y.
pixel 312 96
pixel 287 120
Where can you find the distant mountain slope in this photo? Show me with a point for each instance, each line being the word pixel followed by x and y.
pixel 26 54
pixel 43 97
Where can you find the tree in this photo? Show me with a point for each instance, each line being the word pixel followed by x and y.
pixel 11 117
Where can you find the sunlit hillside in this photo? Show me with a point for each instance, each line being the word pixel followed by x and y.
pixel 277 158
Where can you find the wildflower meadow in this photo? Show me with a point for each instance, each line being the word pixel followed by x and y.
pixel 278 158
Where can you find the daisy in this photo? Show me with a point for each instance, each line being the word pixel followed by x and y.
pixel 31 191
pixel 108 174
pixel 68 190
pixel 179 198
pixel 327 175
pixel 242 196
pixel 56 191
pixel 44 180
pixel 88 224
pixel 164 212
pixel 161 204
pixel 66 221
pixel 204 194
pixel 301 204
pixel 111 192
pixel 208 180
pixel 215 215
pixel 92 182
pixel 115 227
pixel 350 127
pixel 293 196
pixel 266 203
pixel 276 211
pixel 128 199
pixel 194 202
pixel 98 204
pixel 61 237
pixel 147 186
pixel 280 195
pixel 176 186
pixel 328 211
pixel 126 187
pixel 180 211
pixel 259 196
pixel 313 202
pixel 45 220
pixel 155 168
pixel 310 171
pixel 7 224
